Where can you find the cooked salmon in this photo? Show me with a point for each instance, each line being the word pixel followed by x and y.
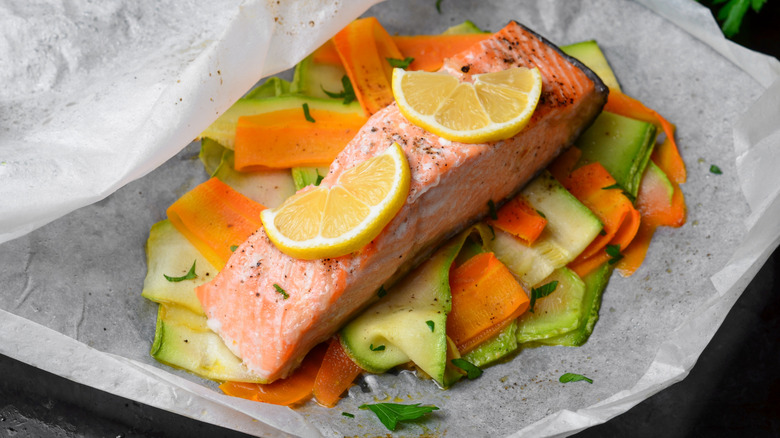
pixel 451 186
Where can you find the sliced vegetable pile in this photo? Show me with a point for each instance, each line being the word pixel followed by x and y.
pixel 545 256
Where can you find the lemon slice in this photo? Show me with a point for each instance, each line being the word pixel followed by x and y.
pixel 494 107
pixel 333 221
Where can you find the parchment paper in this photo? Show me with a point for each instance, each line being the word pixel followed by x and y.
pixel 70 297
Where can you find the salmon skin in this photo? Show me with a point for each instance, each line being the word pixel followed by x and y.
pixel 451 186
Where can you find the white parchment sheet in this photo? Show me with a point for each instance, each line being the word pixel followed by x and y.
pixel 99 103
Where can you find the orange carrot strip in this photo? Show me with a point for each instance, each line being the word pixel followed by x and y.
pixel 326 54
pixel 635 253
pixel 430 51
pixel 670 160
pixel 590 264
pixel 214 217
pixel 484 295
pixel 656 209
pixel 364 46
pixel 285 139
pixel 587 184
pixel 292 390
pixel 518 218
pixel 335 376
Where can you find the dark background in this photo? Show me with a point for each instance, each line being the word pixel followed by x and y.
pixel 733 391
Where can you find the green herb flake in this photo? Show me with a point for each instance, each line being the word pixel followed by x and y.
pixel 541 214
pixel 603 232
pixel 377 348
pixel 306 113
pixel 613 251
pixel 716 170
pixel 233 248
pixel 630 197
pixel 472 371
pixel 381 292
pixel 541 292
pixel 348 94
pixel 281 291
pixel 492 210
pixel 400 63
pixel 188 276
pixel 573 377
pixel 733 12
pixel 347 414
pixel 391 413
pixel 319 178
pixel 431 325
pixel 438 5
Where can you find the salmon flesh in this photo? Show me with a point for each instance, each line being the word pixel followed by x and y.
pixel 451 186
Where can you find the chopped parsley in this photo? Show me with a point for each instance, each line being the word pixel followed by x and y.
pixel 438 5
pixel 400 63
pixel 630 197
pixel 233 248
pixel 431 325
pixel 716 170
pixel 319 177
pixel 541 292
pixel 472 371
pixel 281 291
pixel 188 276
pixel 381 292
pixel 391 413
pixel 492 210
pixel 377 348
pixel 306 113
pixel 541 214
pixel 613 251
pixel 347 414
pixel 573 377
pixel 348 94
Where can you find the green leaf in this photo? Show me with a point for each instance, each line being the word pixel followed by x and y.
pixel 281 291
pixel 233 248
pixel 400 63
pixel 573 377
pixel 472 371
pixel 347 414
pixel 716 170
pixel 306 113
pixel 757 5
pixel 377 348
pixel 492 210
pixel 319 178
pixel 188 276
pixel 541 292
pixel 391 413
pixel 613 251
pixel 348 94
pixel 431 325
pixel 732 14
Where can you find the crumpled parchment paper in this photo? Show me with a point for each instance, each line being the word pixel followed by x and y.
pixel 99 96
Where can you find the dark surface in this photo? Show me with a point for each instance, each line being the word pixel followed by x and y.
pixel 733 391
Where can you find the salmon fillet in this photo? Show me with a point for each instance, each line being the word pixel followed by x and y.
pixel 451 185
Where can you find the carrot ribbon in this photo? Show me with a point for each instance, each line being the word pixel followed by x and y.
pixel 295 389
pixel 518 218
pixel 486 297
pixel 336 375
pixel 215 218
pixel 285 138
pixel 596 188
pixel 364 46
